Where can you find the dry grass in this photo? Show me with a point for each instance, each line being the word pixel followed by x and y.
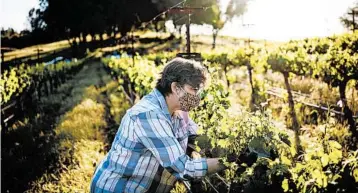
pixel 46 49
pixel 32 50
pixel 83 122
pixel 200 43
pixel 81 130
pixel 76 178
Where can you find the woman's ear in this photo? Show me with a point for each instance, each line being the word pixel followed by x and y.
pixel 174 88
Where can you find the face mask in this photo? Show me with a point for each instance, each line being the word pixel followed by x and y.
pixel 188 101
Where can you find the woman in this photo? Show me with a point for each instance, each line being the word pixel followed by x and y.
pixel 148 152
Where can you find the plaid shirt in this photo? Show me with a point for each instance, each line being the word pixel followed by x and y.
pixel 148 152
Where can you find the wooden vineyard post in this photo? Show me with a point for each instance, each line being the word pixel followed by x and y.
pixel 189 11
pixel 2 57
pixel 38 50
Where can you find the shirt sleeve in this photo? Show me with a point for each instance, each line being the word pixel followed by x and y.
pixel 156 134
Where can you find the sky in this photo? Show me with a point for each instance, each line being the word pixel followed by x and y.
pixel 14 13
pixel 278 20
pixel 282 20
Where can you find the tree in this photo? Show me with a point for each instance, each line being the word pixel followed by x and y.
pixel 216 22
pixel 158 24
pixel 246 57
pixel 212 15
pixel 235 8
pixel 339 66
pixel 84 17
pixel 348 21
pixel 7 33
pixel 289 59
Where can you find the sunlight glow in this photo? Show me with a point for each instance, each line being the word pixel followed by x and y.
pixel 282 20
pixel 278 20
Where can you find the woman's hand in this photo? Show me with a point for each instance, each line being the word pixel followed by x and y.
pixel 195 155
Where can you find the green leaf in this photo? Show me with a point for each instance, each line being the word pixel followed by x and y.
pixel 285 185
pixel 335 144
pixel 285 160
pixel 335 156
pixel 223 143
pixel 355 174
pixel 324 160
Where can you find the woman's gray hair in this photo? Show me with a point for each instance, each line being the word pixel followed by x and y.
pixel 182 71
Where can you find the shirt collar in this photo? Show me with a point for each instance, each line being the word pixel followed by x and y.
pixel 162 103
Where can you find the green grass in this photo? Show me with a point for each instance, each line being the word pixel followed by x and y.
pixel 82 131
